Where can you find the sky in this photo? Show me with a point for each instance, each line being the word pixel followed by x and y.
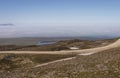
pixel 54 18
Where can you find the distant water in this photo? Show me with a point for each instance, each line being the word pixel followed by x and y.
pixel 45 42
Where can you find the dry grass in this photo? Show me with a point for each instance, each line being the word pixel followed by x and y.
pixel 99 65
pixel 105 64
pixel 21 61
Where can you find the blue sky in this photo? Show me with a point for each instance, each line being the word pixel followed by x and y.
pixel 59 17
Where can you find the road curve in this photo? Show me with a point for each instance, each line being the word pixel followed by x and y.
pixel 84 52
pixel 93 50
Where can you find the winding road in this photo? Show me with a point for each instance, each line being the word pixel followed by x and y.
pixel 77 52
pixel 99 49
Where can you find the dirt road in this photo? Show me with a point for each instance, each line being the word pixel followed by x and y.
pixel 93 50
pixel 77 52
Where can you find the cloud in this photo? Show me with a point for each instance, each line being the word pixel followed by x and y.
pixel 7 24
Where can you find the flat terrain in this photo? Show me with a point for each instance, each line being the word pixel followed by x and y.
pixel 58 46
pixel 19 41
pixel 34 40
pixel 95 50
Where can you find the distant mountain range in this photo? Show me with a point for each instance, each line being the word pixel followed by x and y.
pixel 7 24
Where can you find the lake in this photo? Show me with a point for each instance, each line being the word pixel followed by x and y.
pixel 45 42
